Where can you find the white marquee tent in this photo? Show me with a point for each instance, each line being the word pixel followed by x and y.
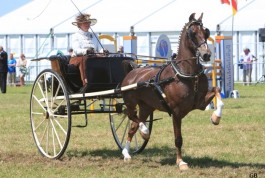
pixel 38 16
pixel 26 29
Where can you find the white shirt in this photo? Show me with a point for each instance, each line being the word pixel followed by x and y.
pixel 81 41
pixel 247 61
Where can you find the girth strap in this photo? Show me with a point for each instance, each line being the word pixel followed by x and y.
pixel 161 94
pixel 157 87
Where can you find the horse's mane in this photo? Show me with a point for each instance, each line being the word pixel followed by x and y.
pixel 180 35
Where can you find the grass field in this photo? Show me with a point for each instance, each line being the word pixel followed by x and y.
pixel 235 148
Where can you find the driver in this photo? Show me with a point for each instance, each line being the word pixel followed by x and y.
pixel 83 43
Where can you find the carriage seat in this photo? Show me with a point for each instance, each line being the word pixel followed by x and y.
pixel 102 73
pixel 69 72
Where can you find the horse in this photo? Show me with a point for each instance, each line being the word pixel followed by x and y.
pixel 181 84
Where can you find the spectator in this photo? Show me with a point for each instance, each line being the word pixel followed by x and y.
pixel 3 69
pixel 247 60
pixel 11 76
pixel 70 51
pixel 22 64
pixel 121 51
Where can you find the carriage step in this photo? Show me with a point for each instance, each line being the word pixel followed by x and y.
pixel 62 109
pixel 75 107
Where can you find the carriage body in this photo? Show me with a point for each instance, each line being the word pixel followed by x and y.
pixel 102 73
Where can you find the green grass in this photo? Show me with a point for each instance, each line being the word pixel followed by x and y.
pixel 235 148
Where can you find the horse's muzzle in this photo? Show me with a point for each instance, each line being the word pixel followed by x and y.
pixel 206 57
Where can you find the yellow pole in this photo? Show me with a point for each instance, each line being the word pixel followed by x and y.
pixel 214 82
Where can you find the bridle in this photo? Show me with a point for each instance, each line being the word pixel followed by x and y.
pixel 198 57
pixel 191 37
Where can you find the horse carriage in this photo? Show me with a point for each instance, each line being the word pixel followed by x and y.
pixel 130 99
pixel 55 99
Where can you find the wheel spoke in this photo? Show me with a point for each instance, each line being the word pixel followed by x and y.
pixel 56 134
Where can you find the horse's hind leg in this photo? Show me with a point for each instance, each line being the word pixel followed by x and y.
pixel 136 123
pixel 126 150
pixel 144 112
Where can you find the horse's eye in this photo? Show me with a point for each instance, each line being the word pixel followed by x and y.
pixel 207 33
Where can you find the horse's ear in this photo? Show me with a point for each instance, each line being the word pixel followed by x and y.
pixel 192 18
pixel 200 18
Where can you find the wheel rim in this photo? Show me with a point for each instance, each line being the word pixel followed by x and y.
pixel 50 114
pixel 120 124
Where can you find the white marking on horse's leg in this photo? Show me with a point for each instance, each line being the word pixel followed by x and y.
pixel 143 128
pixel 216 116
pixel 183 166
pixel 126 151
pixel 219 107
pixel 144 131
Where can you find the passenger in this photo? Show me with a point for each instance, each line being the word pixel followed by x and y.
pixel 121 51
pixel 83 43
pixel 70 51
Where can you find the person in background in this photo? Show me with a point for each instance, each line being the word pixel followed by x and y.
pixel 70 51
pixel 11 76
pixel 247 61
pixel 3 69
pixel 84 43
pixel 22 64
pixel 121 51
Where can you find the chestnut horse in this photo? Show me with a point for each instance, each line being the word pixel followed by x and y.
pixel 182 85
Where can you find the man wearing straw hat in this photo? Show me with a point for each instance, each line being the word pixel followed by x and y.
pixel 83 43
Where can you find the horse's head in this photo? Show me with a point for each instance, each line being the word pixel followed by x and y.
pixel 198 35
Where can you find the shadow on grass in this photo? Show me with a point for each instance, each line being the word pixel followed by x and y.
pixel 168 157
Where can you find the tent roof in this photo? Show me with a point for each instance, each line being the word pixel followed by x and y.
pixel 38 16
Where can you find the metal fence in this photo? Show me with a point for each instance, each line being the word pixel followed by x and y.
pixel 257 71
pixel 34 45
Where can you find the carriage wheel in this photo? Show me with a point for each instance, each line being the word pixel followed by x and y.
pixel 120 125
pixel 50 114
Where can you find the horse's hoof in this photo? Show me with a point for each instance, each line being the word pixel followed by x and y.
pixel 215 119
pixel 126 160
pixel 145 136
pixel 127 156
pixel 183 166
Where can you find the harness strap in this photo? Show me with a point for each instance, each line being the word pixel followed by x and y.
pixel 157 87
pixel 162 97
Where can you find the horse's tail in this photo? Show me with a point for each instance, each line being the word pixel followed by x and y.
pixel 128 65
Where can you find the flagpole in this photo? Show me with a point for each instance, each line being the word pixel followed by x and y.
pixel 232 27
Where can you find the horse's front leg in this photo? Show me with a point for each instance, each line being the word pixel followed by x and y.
pixel 178 143
pixel 216 116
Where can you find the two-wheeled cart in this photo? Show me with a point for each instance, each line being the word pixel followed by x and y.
pixel 55 99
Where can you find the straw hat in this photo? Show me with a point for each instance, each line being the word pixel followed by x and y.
pixel 82 18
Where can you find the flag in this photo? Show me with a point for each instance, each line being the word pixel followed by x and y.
pixel 234 6
pixel 225 2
